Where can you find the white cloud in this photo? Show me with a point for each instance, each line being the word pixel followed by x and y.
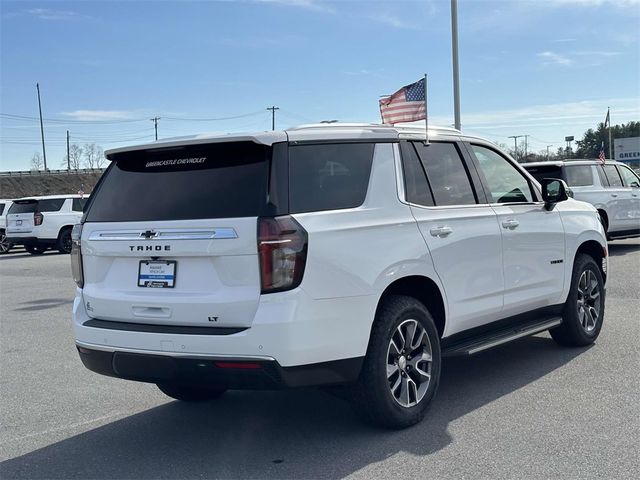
pixel 544 115
pixel 552 58
pixel 48 14
pixel 306 4
pixel 393 21
pixel 100 115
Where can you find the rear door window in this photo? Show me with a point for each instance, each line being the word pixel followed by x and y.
pixel 612 175
pixel 446 173
pixel 221 180
pixel 50 205
pixel 328 176
pixel 415 180
pixel 1 208
pixel 579 175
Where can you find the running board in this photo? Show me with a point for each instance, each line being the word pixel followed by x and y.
pixel 499 337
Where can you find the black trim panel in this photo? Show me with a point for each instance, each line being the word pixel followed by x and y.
pixel 489 329
pixel 624 234
pixel 155 328
pixel 205 371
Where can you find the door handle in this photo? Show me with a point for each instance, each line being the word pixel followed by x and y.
pixel 634 194
pixel 614 195
pixel 510 224
pixel 440 231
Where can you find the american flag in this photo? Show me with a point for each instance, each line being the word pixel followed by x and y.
pixel 601 156
pixel 406 105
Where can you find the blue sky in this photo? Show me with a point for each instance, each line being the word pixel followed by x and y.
pixel 546 68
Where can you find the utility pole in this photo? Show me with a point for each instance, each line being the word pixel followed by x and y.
pixel 526 147
pixel 68 158
pixel 44 152
pixel 273 116
pixel 155 124
pixel 515 145
pixel 456 69
pixel 548 151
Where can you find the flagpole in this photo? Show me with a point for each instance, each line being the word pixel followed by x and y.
pixel 610 145
pixel 426 116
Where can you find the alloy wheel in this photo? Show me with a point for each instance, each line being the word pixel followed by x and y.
pixel 589 300
pixel 409 360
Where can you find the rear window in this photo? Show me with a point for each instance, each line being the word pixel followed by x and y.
pixel 31 206
pixel 203 181
pixel 328 176
pixel 545 171
pixel 612 175
pixel 1 208
pixel 579 175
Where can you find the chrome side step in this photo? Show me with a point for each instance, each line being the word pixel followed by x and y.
pixel 499 337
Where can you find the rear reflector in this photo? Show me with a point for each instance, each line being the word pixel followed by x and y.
pixel 238 365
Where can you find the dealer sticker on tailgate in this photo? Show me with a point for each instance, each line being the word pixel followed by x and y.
pixel 157 273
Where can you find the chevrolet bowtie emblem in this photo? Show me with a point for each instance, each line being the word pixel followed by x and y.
pixel 149 234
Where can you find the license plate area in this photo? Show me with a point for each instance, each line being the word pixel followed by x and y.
pixel 157 273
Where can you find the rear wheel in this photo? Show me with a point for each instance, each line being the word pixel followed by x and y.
pixel 4 245
pixel 584 309
pixel 63 244
pixel 402 367
pixel 35 249
pixel 189 393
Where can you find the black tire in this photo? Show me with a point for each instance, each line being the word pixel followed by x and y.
pixel 372 395
pixel 582 318
pixel 63 244
pixel 35 249
pixel 190 393
pixel 4 245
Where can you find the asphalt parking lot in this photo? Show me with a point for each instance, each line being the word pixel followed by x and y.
pixel 526 410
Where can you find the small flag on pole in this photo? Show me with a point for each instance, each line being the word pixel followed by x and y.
pixel 607 120
pixel 406 105
pixel 601 156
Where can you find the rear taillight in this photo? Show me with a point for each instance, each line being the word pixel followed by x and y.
pixel 282 248
pixel 76 255
pixel 37 218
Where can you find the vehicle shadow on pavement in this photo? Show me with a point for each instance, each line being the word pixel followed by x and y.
pixel 619 249
pixel 288 434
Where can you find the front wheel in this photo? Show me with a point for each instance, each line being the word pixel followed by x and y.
pixel 401 371
pixel 190 394
pixel 584 309
pixel 35 249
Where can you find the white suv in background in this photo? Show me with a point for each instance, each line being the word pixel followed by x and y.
pixel 613 188
pixel 40 223
pixel 5 246
pixel 352 255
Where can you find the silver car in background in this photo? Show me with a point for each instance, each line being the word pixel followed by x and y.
pixel 613 188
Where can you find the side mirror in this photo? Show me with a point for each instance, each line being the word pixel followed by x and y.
pixel 554 190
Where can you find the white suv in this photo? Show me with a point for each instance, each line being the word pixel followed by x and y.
pixel 40 223
pixel 613 188
pixel 351 255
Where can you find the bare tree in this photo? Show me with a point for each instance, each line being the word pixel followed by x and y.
pixel 75 157
pixel 36 162
pixel 93 155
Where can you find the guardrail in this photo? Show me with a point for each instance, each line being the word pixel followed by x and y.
pixel 27 173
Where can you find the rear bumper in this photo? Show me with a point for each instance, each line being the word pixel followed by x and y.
pixel 29 241
pixel 233 373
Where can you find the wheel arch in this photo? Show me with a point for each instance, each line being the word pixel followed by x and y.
pixel 425 290
pixel 63 228
pixel 596 251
